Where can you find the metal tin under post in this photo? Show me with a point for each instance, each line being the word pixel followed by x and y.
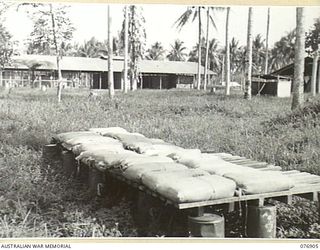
pixel 95 181
pixel 262 221
pixel 207 225
pixel 68 163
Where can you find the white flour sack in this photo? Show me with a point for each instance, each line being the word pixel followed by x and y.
pixel 186 156
pixel 98 139
pixel 257 182
pixel 70 135
pixel 160 149
pixel 91 146
pixel 141 144
pixel 125 136
pixel 192 189
pixel 152 179
pixel 105 159
pixel 140 159
pixel 103 131
pixel 136 171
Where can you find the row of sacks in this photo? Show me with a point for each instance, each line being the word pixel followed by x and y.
pixel 181 175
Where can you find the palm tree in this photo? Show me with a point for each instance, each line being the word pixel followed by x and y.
pixel 209 17
pixel 214 56
pixel 194 12
pixel 297 99
pixel 156 52
pixel 227 60
pixel 283 51
pixel 110 57
pixel 247 93
pixel 312 48
pixel 234 55
pixel 267 44
pixel 258 54
pixel 177 51
pixel 126 42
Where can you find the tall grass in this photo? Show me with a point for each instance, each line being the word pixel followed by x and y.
pixel 262 129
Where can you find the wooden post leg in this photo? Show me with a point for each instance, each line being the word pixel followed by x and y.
pixel 318 205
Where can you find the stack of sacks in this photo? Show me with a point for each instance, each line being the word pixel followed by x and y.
pixel 135 171
pixel 180 189
pixel 257 182
pixel 103 159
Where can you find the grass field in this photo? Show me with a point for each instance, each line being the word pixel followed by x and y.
pixel 36 202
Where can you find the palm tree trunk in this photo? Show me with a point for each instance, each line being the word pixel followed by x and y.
pixel 299 49
pixel 314 73
pixel 318 89
pixel 207 52
pixel 199 50
pixel 267 44
pixel 110 57
pixel 247 91
pixel 227 61
pixel 59 90
pixel 125 67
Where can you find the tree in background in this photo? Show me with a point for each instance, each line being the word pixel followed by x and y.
pixel 6 51
pixel 110 56
pixel 177 51
pixel 194 52
pixel 312 48
pixel 125 50
pixel 51 28
pixel 156 52
pixel 136 41
pixel 193 13
pixel 247 91
pixel 91 48
pixel 210 19
pixel 227 57
pixel 299 48
pixel 258 54
pixel 282 52
pixel 234 56
pixel 266 61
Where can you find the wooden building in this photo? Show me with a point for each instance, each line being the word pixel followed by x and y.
pixel 279 86
pixel 41 70
pixel 288 71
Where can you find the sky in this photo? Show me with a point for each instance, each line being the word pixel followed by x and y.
pixel 91 20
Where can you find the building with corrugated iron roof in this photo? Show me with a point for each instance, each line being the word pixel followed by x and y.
pixel 39 70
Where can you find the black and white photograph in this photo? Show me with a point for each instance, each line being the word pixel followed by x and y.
pixel 151 121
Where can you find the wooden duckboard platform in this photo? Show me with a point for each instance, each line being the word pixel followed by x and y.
pixel 306 185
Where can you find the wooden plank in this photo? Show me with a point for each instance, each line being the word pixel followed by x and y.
pixel 288 172
pixel 271 168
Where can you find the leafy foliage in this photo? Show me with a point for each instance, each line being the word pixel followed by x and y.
pixel 177 51
pixel 51 28
pixel 313 38
pixel 156 52
pixel 137 41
